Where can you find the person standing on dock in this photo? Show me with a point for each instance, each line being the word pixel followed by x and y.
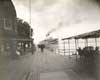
pixel 41 46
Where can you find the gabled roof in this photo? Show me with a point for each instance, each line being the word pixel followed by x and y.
pixel 7 9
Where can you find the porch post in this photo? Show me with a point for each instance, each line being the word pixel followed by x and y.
pixel 95 42
pixel 86 43
pixel 76 48
pixel 69 47
pixel 64 47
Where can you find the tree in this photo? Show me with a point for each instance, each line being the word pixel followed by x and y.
pixel 24 29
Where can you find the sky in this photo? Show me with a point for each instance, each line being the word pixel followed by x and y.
pixel 59 18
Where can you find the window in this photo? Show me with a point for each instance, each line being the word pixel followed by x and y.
pixel 7 24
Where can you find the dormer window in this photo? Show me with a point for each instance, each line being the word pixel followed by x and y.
pixel 7 24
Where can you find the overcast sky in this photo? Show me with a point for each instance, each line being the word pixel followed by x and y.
pixel 62 18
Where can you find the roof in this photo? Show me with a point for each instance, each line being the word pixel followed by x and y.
pixel 7 9
pixel 92 34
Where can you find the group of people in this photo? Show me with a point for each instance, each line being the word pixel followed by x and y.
pixel 41 47
pixel 88 51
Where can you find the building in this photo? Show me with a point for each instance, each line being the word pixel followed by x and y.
pixel 9 39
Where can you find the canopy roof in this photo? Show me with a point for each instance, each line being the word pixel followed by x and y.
pixel 93 34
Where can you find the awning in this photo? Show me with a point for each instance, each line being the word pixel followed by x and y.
pixel 93 34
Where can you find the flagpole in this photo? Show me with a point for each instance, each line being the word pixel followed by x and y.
pixel 30 11
pixel 30 15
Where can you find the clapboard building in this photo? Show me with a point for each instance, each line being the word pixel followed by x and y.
pixel 9 34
